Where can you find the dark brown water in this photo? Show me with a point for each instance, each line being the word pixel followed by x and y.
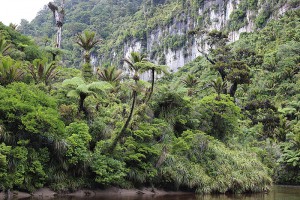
pixel 277 193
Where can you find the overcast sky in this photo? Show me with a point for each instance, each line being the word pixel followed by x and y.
pixel 12 11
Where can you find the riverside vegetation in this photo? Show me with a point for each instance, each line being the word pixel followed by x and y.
pixel 225 122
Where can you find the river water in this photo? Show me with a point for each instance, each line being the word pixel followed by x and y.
pixel 276 193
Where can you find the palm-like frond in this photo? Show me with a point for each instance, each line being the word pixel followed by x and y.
pixel 73 82
pixel 110 74
pixel 79 87
pixel 190 81
pixel 87 40
pixel 50 71
pixel 146 65
pixel 42 71
pixel 161 69
pixel 5 46
pixel 72 94
pixel 83 88
pixel 10 70
pixel 135 57
pixel 219 85
pixel 99 85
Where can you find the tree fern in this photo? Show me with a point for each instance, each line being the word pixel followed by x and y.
pixel 79 89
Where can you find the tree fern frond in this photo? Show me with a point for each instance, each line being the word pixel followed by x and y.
pixel 76 81
pixel 100 85
pixel 72 93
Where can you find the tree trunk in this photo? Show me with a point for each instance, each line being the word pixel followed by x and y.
pixel 152 84
pixel 87 56
pixel 59 18
pixel 222 73
pixel 123 131
pixel 81 103
pixel 233 89
pixel 58 37
pixel 223 76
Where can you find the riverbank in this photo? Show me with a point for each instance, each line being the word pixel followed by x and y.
pixel 46 193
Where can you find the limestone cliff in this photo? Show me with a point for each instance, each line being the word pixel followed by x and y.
pixel 211 14
pixel 164 29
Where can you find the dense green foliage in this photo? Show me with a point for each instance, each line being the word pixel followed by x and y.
pixel 121 22
pixel 212 167
pixel 226 122
pixel 270 99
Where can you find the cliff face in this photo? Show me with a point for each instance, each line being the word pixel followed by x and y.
pixel 170 32
pixel 211 15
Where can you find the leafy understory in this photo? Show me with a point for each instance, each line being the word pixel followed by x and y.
pixel 227 122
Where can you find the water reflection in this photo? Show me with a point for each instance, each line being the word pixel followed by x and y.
pixel 277 193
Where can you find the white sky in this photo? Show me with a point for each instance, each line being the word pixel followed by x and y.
pixel 12 11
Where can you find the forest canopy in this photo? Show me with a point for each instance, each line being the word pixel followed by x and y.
pixel 228 121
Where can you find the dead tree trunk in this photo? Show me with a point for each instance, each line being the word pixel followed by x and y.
pixel 58 14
